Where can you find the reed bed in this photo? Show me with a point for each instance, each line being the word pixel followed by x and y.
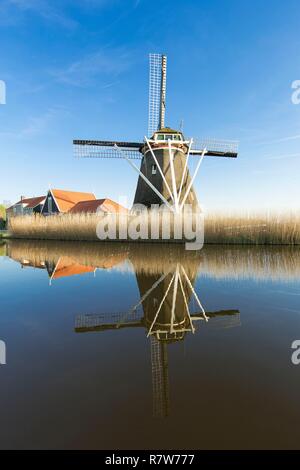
pixel 153 226
pixel 55 227
pixel 255 229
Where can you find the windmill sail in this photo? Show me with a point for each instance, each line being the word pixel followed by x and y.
pixel 157 92
pixel 215 147
pixel 160 378
pixel 107 149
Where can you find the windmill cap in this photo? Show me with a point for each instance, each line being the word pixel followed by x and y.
pixel 168 130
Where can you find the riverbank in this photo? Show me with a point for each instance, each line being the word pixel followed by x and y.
pixel 275 229
pixel 4 234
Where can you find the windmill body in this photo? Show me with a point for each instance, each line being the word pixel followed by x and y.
pixel 167 320
pixel 166 144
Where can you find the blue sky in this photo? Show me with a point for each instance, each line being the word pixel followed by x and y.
pixel 79 69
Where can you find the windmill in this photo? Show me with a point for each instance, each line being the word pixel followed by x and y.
pixel 164 176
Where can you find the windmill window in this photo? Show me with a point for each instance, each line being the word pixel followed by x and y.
pixel 153 169
pixel 50 207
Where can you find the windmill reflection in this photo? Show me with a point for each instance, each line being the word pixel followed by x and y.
pixel 169 306
pixel 164 311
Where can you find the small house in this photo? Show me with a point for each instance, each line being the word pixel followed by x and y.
pixel 61 201
pixel 98 205
pixel 31 205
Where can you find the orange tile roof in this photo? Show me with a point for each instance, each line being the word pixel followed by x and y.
pixel 67 199
pixel 105 205
pixel 66 267
pixel 111 206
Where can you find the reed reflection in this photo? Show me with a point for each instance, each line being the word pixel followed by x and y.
pixel 221 261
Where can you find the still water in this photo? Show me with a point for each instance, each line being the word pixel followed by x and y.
pixel 119 346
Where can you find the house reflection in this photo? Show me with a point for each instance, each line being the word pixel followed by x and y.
pixel 66 267
pixel 64 259
pixel 26 263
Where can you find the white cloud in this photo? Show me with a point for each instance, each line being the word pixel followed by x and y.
pixel 102 63
pixel 36 125
pixel 282 157
pixel 43 8
pixel 51 10
pixel 282 139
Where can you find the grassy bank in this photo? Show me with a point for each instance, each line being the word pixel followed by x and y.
pixel 3 234
pixel 218 229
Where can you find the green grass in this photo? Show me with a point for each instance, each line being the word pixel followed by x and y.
pixel 2 217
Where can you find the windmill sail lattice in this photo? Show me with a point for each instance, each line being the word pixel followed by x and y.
pixel 157 92
pixel 107 149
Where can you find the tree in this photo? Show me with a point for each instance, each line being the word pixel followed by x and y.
pixel 2 217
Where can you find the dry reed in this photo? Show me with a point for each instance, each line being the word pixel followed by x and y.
pixel 254 229
pixel 84 226
pixel 219 229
